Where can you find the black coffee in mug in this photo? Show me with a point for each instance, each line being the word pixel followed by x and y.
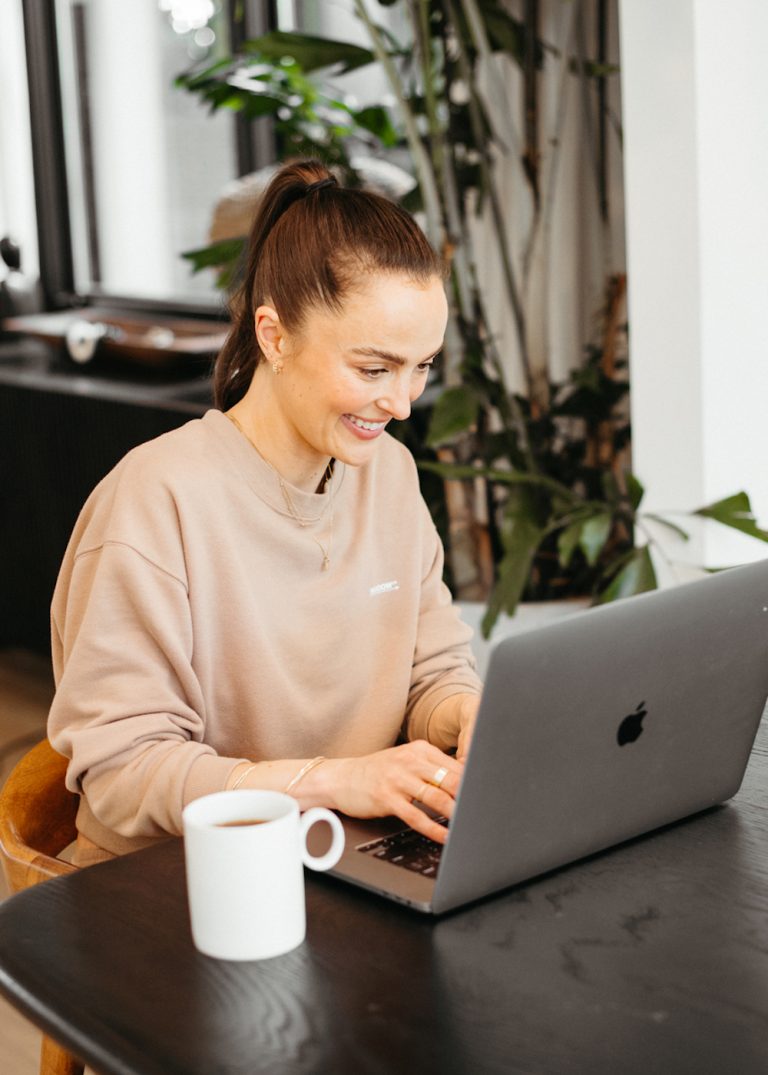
pixel 241 821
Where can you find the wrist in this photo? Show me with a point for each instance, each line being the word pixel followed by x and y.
pixel 320 785
pixel 238 776
pixel 306 768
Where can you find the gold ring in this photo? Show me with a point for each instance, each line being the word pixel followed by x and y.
pixel 439 777
pixel 420 797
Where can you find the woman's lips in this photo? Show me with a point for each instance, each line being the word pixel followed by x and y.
pixel 360 431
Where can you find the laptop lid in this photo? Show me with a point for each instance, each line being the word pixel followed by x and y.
pixel 592 730
pixel 607 725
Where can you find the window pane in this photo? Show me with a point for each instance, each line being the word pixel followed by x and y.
pixel 146 162
pixel 17 201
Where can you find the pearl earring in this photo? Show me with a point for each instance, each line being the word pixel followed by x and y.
pixel 277 366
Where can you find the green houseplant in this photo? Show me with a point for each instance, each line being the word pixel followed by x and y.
pixel 541 502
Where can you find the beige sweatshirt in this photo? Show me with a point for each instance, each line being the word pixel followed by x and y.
pixel 193 627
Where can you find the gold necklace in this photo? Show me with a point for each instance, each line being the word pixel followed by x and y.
pixel 300 519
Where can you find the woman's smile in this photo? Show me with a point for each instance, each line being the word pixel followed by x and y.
pixel 364 428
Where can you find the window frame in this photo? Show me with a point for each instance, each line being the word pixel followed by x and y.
pixel 254 147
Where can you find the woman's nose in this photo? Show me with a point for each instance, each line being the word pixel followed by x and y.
pixel 397 402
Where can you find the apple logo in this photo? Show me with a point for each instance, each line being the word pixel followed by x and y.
pixel 632 726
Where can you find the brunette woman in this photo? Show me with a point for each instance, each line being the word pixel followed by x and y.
pixel 256 599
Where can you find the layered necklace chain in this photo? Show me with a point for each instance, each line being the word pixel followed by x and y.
pixel 302 520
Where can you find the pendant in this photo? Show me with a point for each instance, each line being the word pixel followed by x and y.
pixel 326 562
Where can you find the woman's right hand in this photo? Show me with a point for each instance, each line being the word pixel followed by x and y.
pixel 392 781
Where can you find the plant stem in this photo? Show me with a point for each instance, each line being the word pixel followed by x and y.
pixel 421 160
pixel 589 125
pixel 480 40
pixel 419 13
pixel 602 106
pixel 541 220
pixel 531 110
pixel 486 169
pixel 453 250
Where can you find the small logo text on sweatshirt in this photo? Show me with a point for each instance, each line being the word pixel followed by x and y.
pixel 384 587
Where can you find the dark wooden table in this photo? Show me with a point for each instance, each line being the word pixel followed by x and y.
pixel 651 958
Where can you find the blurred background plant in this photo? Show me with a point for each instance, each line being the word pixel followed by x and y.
pixel 528 474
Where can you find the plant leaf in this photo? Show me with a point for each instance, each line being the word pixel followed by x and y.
pixel 594 534
pixel 467 471
pixel 637 576
pixel 522 538
pixel 310 52
pixel 507 34
pixel 610 487
pixel 567 542
pixel 253 105
pixel 377 120
pixel 215 255
pixel 635 490
pixel 191 79
pixel 735 511
pixel 455 411
pixel 592 69
pixel 670 526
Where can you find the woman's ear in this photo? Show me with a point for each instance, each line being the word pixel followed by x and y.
pixel 269 333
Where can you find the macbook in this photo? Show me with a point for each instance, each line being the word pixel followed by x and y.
pixel 591 731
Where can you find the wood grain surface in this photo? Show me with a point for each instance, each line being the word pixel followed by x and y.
pixel 652 957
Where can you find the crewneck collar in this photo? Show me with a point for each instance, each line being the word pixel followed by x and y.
pixel 263 480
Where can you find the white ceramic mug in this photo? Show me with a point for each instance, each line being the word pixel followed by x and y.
pixel 246 881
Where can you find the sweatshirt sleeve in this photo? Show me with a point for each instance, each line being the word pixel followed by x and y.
pixel 129 711
pixel 443 664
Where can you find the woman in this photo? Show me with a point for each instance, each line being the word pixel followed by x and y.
pixel 255 599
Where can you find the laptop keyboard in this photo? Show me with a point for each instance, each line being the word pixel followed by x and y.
pixel 408 849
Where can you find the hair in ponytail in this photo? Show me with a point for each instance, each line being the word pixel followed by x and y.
pixel 310 241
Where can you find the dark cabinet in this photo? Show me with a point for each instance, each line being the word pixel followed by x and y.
pixel 61 431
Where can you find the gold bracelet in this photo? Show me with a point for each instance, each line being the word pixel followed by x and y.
pixel 246 772
pixel 303 772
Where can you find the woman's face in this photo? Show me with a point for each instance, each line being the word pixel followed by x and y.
pixel 347 375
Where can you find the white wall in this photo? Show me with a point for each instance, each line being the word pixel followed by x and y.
pixel 695 101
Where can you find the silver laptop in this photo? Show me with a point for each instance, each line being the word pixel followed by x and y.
pixel 591 731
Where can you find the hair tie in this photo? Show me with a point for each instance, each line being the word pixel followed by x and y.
pixel 329 182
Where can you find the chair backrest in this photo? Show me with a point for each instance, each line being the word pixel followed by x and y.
pixel 37 818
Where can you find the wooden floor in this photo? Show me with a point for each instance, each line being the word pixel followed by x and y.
pixel 26 687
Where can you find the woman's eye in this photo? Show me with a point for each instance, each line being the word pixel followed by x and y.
pixel 373 374
pixel 425 367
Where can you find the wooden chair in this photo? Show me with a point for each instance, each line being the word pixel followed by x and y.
pixel 37 821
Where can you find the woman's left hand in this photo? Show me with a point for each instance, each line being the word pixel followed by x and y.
pixel 390 781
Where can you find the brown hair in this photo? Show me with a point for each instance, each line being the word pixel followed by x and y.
pixel 310 241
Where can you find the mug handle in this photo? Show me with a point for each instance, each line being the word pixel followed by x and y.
pixel 334 852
